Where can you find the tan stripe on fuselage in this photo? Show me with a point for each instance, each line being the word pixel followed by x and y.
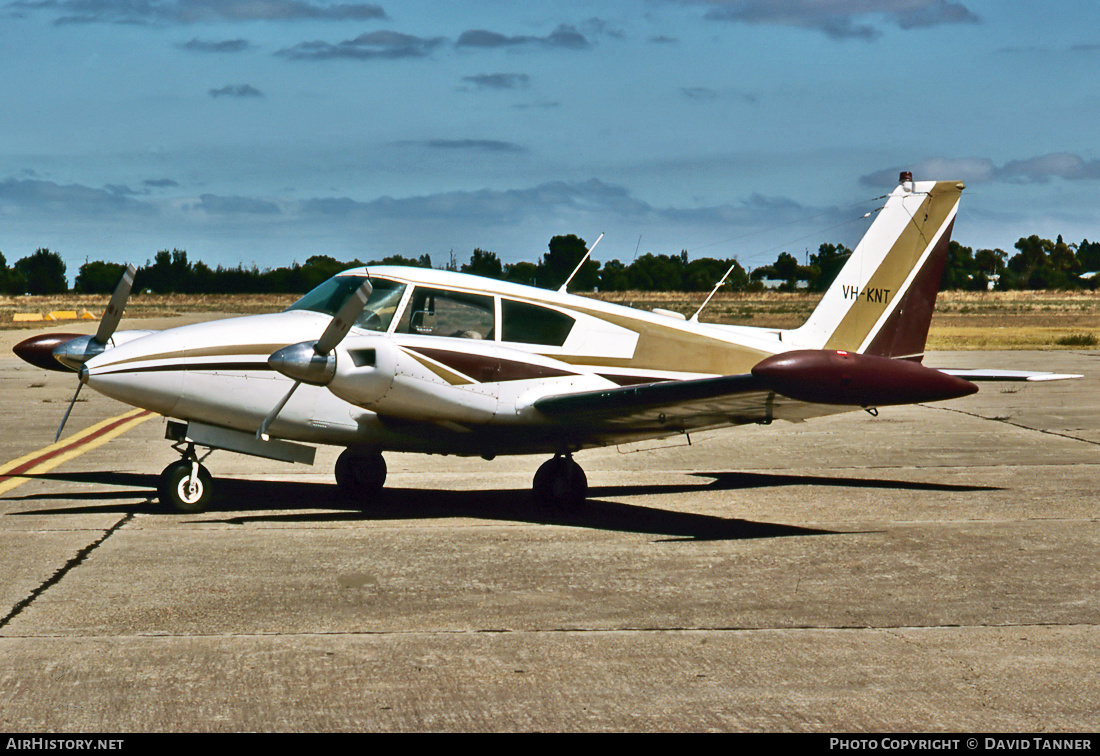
pixel 663 347
pixel 229 350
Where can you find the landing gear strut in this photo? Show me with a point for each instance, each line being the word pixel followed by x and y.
pixel 560 482
pixel 185 485
pixel 360 476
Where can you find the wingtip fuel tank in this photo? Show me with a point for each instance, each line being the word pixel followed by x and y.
pixel 838 377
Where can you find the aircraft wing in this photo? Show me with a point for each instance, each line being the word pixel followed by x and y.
pixel 793 386
pixel 674 406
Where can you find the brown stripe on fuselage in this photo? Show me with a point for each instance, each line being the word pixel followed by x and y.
pixel 450 376
pixel 489 369
pixel 192 367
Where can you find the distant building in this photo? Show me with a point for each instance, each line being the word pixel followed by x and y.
pixel 774 283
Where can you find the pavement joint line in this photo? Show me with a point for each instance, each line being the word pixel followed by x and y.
pixel 1006 421
pixel 63 571
pixel 885 629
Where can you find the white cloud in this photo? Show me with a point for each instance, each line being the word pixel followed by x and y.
pixel 1039 169
pixel 840 19
pixel 197 11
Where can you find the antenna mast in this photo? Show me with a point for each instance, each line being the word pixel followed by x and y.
pixel 695 318
pixel 582 262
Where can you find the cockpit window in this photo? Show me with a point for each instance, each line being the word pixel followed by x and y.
pixel 435 312
pixel 376 314
pixel 531 324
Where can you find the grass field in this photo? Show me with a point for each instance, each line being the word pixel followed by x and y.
pixel 963 320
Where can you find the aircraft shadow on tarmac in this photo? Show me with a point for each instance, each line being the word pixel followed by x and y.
pixel 514 505
pixel 742 480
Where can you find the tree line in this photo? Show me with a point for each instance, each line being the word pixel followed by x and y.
pixel 1037 264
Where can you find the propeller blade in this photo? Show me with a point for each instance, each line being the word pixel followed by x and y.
pixel 75 352
pixel 344 319
pixel 113 314
pixel 65 419
pixel 261 434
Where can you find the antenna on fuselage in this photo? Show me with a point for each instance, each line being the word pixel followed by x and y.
pixel 582 262
pixel 695 318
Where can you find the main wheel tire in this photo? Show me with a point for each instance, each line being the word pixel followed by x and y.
pixel 560 482
pixel 359 476
pixel 176 491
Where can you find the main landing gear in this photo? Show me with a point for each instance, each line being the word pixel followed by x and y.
pixel 560 482
pixel 185 485
pixel 360 475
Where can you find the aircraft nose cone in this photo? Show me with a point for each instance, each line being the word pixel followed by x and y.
pixel 38 350
pixel 147 372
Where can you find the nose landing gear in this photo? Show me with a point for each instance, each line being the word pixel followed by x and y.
pixel 186 486
pixel 560 482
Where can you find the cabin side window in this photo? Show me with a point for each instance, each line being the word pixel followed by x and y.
pixel 436 312
pixel 531 324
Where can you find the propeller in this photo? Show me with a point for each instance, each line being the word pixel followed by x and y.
pixel 312 362
pixel 75 352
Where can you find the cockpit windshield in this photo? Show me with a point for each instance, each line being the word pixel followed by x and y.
pixel 376 314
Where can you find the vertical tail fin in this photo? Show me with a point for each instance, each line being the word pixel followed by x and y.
pixel 881 302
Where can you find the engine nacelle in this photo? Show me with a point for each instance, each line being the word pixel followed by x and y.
pixel 376 373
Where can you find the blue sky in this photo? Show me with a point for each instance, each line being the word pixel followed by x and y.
pixel 266 131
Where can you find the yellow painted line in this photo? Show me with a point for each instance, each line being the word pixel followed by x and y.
pixel 14 473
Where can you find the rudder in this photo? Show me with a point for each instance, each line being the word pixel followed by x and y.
pixel 882 300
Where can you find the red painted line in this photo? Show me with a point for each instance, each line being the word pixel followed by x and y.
pixel 15 472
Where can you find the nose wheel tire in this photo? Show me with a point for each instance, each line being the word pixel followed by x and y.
pixel 560 482
pixel 177 491
pixel 359 476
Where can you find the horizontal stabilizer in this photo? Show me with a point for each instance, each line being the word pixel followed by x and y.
pixel 1009 375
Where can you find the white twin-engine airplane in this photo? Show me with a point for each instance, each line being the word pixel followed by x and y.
pixel 435 362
